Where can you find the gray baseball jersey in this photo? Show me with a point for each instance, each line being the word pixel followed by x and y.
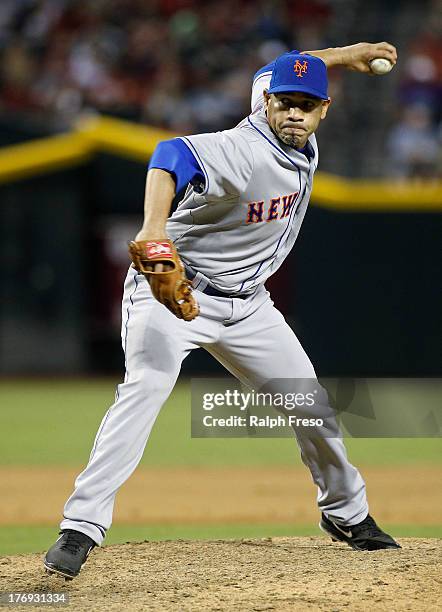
pixel 240 228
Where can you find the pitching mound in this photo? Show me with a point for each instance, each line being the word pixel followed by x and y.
pixel 269 574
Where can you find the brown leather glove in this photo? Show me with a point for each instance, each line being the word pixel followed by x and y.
pixel 170 285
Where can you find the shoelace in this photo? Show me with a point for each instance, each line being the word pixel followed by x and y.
pixel 72 543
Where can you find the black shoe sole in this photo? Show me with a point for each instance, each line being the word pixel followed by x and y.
pixel 52 570
pixel 338 538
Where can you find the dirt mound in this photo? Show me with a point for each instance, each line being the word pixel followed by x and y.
pixel 270 574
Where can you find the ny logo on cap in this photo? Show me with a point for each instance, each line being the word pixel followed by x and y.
pixel 300 68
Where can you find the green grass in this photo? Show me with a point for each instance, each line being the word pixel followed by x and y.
pixel 54 423
pixel 27 539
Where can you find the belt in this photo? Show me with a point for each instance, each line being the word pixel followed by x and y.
pixel 209 290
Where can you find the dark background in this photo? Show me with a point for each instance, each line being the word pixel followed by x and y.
pixel 361 290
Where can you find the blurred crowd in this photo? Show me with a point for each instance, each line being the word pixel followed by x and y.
pixel 181 64
pixel 186 65
pixel 414 142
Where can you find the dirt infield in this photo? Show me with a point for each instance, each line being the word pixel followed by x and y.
pixel 271 574
pixel 398 495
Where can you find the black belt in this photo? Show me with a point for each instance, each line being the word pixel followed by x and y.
pixel 209 290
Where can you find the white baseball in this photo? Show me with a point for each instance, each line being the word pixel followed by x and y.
pixel 380 65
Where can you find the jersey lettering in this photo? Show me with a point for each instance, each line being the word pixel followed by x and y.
pixel 255 212
pixel 278 208
pixel 273 210
pixel 287 203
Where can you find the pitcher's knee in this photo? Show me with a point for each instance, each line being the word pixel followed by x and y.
pixel 148 382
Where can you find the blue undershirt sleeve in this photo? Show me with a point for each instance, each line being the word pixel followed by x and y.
pixel 175 157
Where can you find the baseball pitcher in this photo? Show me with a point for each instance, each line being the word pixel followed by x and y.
pixel 197 280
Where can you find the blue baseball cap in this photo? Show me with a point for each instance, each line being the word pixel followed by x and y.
pixel 299 72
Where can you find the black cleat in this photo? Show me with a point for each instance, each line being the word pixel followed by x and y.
pixel 68 554
pixel 363 536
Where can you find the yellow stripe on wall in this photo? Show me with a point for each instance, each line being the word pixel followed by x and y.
pixel 123 138
pixel 37 157
pixel 355 195
pixel 137 142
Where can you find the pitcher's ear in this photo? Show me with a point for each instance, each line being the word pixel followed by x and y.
pixel 266 95
pixel 325 107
